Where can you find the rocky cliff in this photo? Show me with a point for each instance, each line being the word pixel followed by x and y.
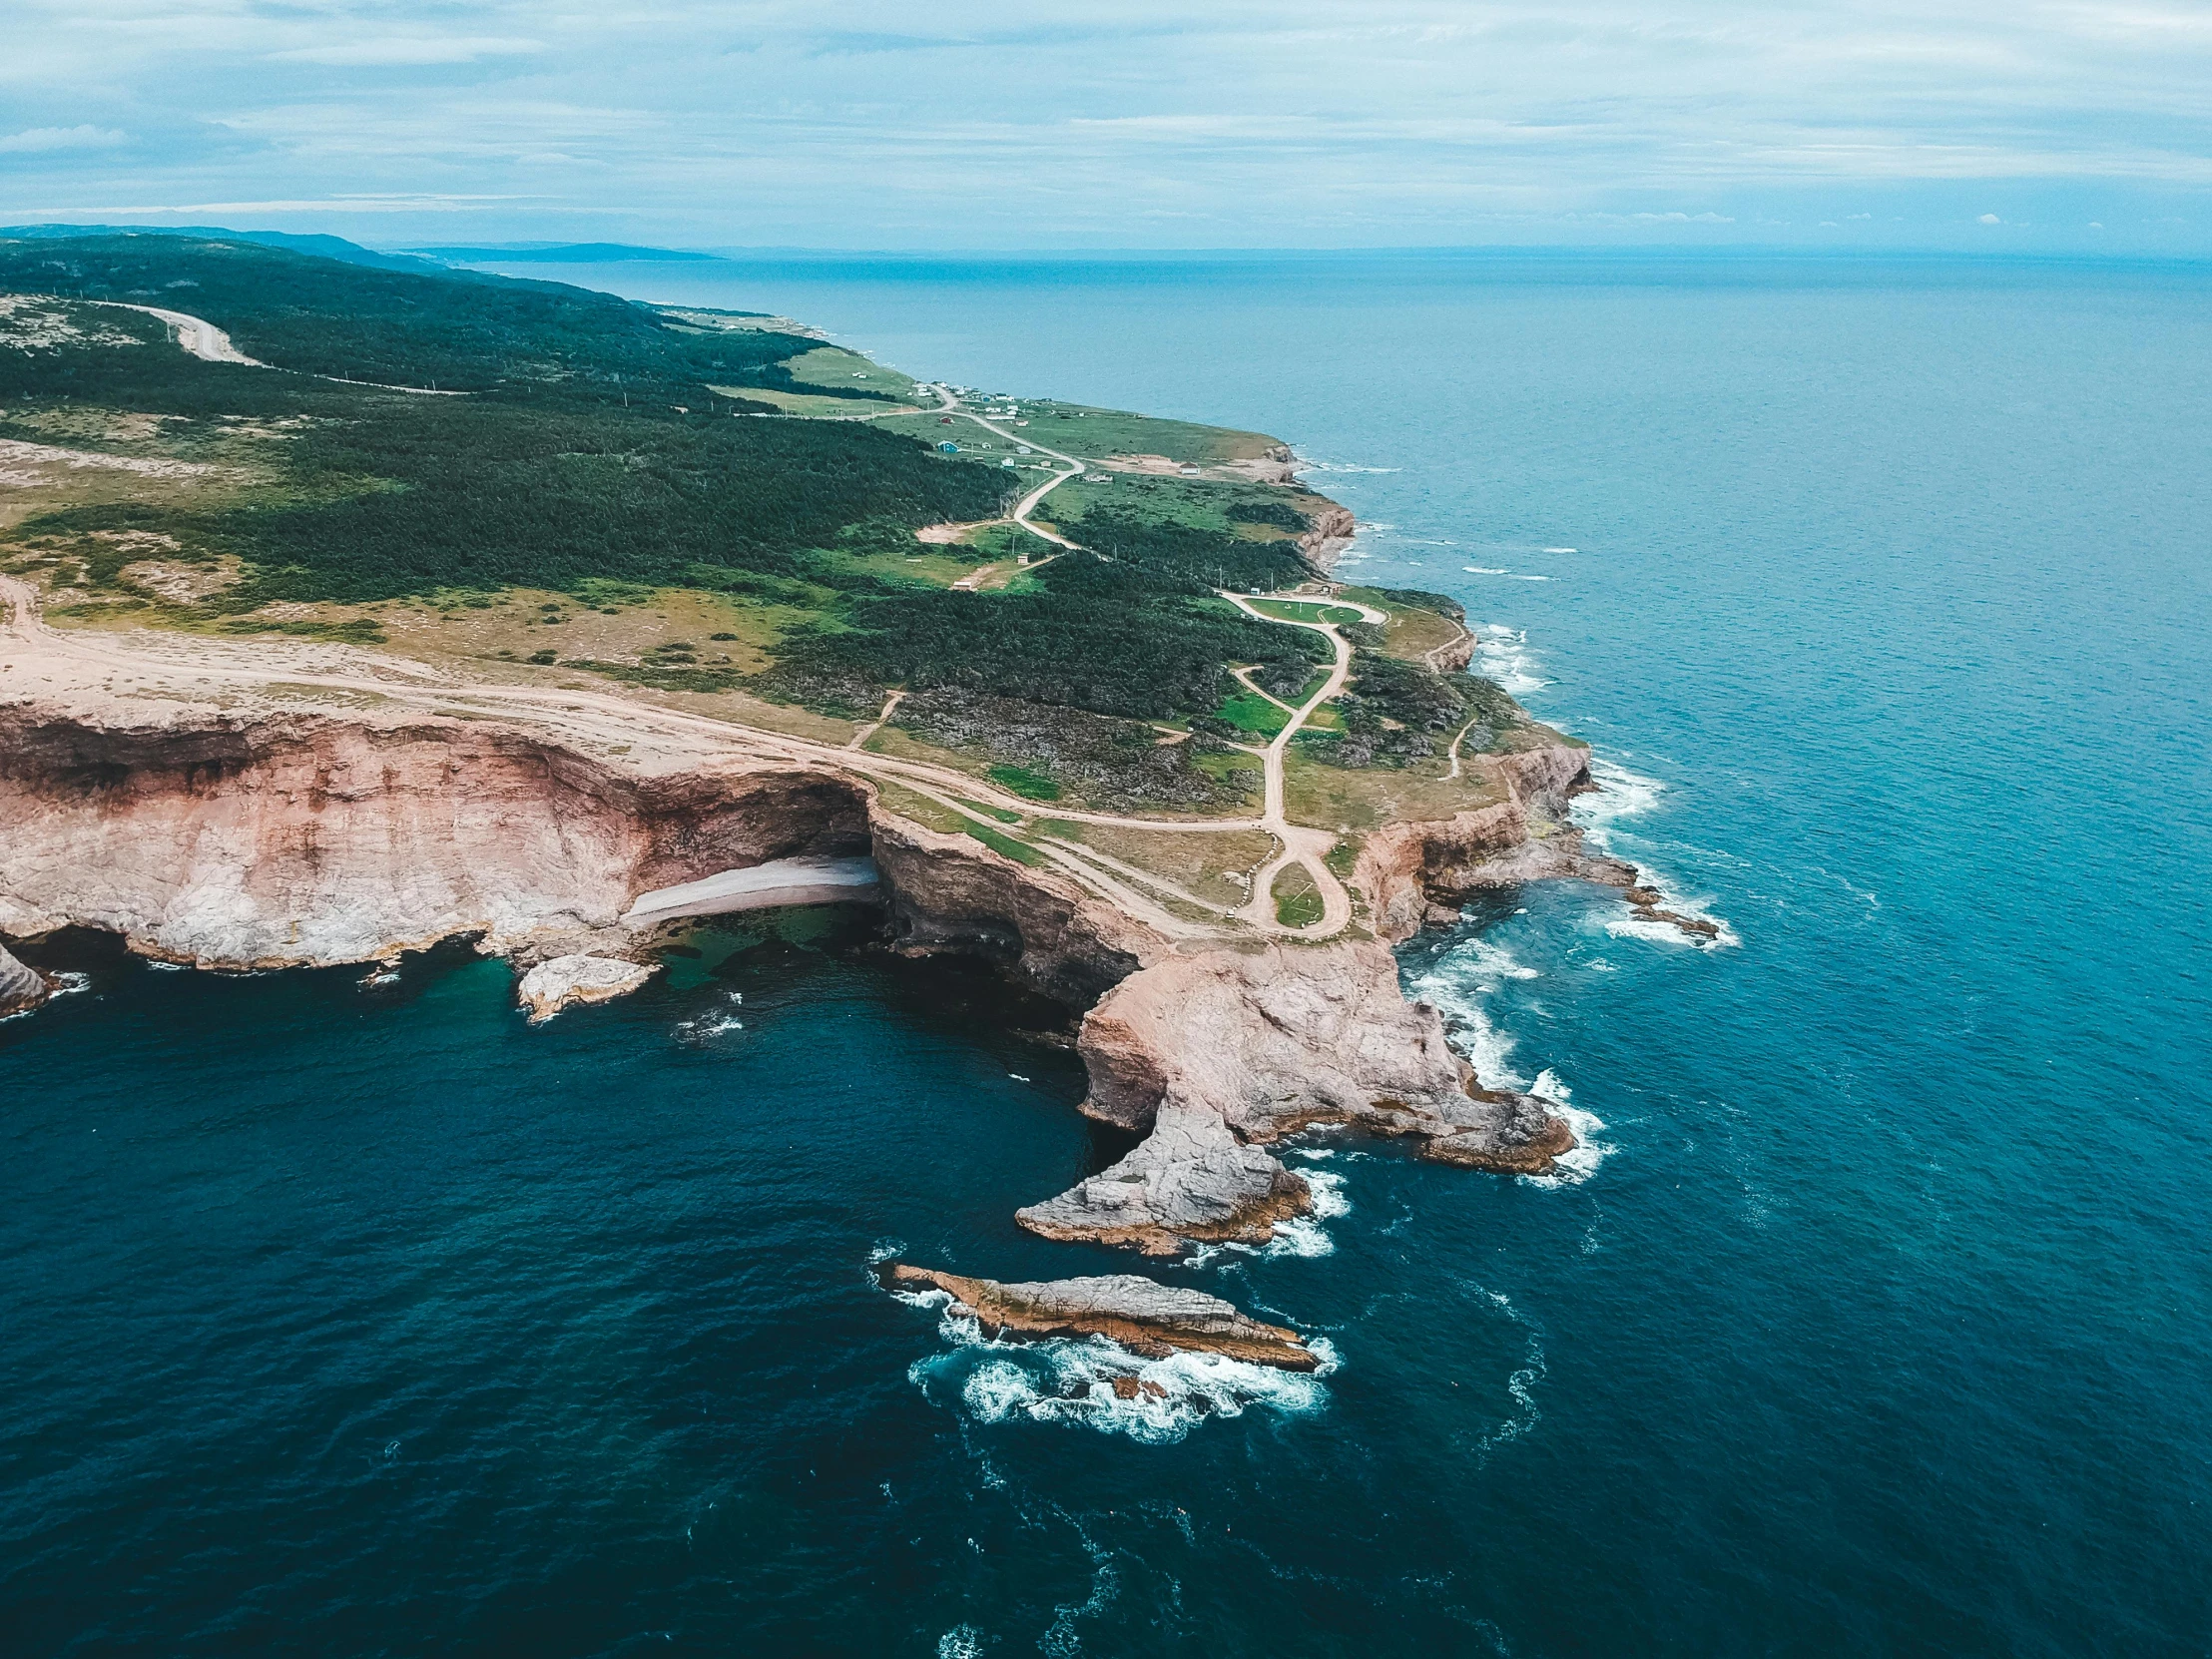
pixel 295 839
pixel 1417 873
pixel 1330 529
pixel 946 893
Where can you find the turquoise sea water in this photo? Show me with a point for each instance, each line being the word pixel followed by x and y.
pixel 355 1322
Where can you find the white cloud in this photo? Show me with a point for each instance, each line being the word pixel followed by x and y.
pixel 39 139
pixel 408 50
pixel 860 122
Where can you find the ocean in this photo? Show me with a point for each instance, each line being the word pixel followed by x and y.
pixel 349 1320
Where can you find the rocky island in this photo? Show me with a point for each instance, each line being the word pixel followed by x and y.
pixel 352 610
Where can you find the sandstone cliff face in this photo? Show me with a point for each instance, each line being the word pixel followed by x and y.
pixel 303 840
pixel 946 892
pixel 1416 872
pixel 1329 533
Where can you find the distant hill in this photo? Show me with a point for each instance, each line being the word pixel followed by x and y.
pixel 558 252
pixel 328 247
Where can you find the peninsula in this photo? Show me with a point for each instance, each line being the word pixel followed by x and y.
pixel 353 609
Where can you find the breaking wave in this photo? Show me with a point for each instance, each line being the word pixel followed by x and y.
pixel 1457 984
pixel 1065 1382
pixel 1622 795
pixel 714 1022
pixel 1301 1235
pixel 1569 1168
pixel 1501 654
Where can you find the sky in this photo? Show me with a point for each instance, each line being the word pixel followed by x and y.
pixel 1992 125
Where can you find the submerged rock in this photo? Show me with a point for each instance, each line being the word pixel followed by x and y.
pixel 552 986
pixel 1141 1315
pixel 21 988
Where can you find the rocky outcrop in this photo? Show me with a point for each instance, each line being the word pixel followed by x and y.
pixel 1191 1181
pixel 20 987
pixel 1330 529
pixel 554 984
pixel 1649 902
pixel 1417 873
pixel 1141 1315
pixel 305 840
pixel 1217 1055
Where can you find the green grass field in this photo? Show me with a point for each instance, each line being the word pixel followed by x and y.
pixel 1298 903
pixel 1297 609
pixel 1250 712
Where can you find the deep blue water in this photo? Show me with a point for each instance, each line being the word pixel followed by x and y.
pixel 346 1322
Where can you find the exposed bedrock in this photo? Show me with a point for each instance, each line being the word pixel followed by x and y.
pixel 1141 1315
pixel 300 839
pixel 1217 1055
pixel 947 894
pixel 1414 873
pixel 561 980
pixel 1330 530
pixel 20 987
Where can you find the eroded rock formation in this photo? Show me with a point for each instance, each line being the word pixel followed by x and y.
pixel 303 840
pixel 297 838
pixel 1218 1054
pixel 20 987
pixel 1416 873
pixel 561 980
pixel 1141 1315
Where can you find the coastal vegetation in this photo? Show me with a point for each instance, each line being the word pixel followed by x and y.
pixel 593 491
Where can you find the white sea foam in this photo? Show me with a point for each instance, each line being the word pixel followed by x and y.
pixel 1065 1382
pixel 714 1022
pixel 1484 570
pixel 1457 984
pixel 1454 985
pixel 1501 654
pixel 1570 1169
pixel 706 1027
pixel 1559 550
pixel 963 1641
pixel 1301 1235
pixel 1620 795
pixel 1306 463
